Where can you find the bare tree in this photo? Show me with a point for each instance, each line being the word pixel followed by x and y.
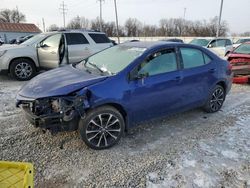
pixel 11 16
pixel 133 27
pixel 53 27
pixel 79 23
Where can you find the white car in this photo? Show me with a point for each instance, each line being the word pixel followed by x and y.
pixel 240 41
pixel 50 50
pixel 220 46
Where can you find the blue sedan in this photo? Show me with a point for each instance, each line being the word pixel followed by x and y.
pixel 111 91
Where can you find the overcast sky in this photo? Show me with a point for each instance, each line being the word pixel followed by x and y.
pixel 235 12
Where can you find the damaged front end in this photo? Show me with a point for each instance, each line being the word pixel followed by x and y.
pixel 60 113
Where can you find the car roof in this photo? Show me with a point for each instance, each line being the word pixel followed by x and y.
pixel 156 44
pixel 74 31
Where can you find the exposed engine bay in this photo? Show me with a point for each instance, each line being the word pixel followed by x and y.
pixel 55 113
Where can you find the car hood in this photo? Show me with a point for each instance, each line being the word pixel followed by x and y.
pixel 58 82
pixel 13 47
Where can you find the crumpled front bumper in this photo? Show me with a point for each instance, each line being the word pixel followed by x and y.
pixel 53 121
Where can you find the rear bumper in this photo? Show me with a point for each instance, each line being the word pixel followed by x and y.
pixel 241 70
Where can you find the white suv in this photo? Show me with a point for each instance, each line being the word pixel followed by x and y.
pixel 220 46
pixel 50 50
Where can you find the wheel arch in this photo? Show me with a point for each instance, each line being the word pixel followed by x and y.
pixel 222 84
pixel 23 57
pixel 118 107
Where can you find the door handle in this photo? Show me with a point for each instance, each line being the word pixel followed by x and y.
pixel 53 52
pixel 177 78
pixel 86 48
pixel 212 70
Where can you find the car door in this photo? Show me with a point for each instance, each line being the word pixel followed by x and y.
pixel 199 74
pixel 154 86
pixel 218 46
pixel 48 51
pixel 78 47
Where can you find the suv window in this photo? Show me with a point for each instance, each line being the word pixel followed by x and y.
pixel 99 38
pixel 160 62
pixel 52 41
pixel 76 38
pixel 193 58
pixel 228 42
pixel 218 43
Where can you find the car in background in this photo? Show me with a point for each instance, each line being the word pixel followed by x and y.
pixel 220 46
pixel 239 59
pixel 240 41
pixel 173 40
pixel 1 41
pixel 50 50
pixel 22 39
pixel 115 89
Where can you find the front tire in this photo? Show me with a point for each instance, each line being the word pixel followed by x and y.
pixel 215 99
pixel 22 69
pixel 102 127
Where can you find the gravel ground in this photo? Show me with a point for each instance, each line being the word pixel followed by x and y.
pixel 192 149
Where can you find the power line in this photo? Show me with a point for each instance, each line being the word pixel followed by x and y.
pixel 64 10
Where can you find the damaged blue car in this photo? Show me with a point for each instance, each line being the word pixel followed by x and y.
pixel 115 89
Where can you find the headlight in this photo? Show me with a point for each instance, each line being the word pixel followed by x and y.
pixel 2 52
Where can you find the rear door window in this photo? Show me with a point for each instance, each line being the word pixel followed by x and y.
pixel 76 39
pixel 193 58
pixel 218 43
pixel 228 42
pixel 99 38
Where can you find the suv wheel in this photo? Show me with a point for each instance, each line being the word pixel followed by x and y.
pixel 215 100
pixel 102 127
pixel 22 69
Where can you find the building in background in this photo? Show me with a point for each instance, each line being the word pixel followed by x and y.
pixel 10 31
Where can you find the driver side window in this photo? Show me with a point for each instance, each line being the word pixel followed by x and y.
pixel 160 62
pixel 52 41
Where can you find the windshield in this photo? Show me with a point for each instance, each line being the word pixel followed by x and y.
pixel 243 49
pixel 114 59
pixel 200 42
pixel 33 39
pixel 242 41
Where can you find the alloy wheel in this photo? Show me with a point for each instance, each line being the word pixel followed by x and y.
pixel 217 99
pixel 23 70
pixel 103 130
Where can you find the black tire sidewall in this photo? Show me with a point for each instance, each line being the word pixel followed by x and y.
pixel 93 113
pixel 15 62
pixel 207 106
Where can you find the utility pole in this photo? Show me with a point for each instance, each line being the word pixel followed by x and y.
pixel 43 24
pixel 184 21
pixel 64 10
pixel 117 25
pixel 18 16
pixel 185 9
pixel 100 21
pixel 219 21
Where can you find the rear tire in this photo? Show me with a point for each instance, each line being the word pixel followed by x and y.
pixel 215 100
pixel 102 127
pixel 22 69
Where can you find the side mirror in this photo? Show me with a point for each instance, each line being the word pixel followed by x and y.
pixel 142 75
pixel 210 46
pixel 40 45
